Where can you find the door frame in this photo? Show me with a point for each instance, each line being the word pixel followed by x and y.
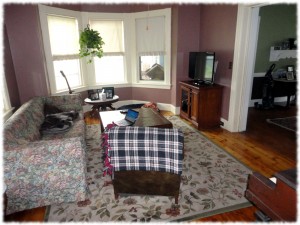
pixel 246 36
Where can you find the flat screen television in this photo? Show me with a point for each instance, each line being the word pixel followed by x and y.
pixel 202 67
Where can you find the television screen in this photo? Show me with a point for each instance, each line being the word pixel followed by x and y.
pixel 201 66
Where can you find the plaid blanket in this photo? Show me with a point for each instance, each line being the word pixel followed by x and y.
pixel 146 148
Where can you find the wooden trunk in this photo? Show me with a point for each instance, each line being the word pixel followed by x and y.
pixel 146 183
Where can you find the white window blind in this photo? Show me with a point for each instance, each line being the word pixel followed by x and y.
pixel 110 68
pixel 150 35
pixel 64 44
pixel 63 33
pixel 111 32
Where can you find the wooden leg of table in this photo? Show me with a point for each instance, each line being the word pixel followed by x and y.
pixel 116 196
pixel 176 199
pixel 111 107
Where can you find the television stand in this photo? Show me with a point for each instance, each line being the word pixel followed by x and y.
pixel 201 104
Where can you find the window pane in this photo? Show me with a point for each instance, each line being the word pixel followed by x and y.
pixel 150 35
pixel 109 69
pixel 71 69
pixel 63 32
pixel 111 33
pixel 152 68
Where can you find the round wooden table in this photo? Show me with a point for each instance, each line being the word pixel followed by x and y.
pixel 99 104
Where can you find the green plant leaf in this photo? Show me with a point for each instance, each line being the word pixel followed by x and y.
pixel 90 43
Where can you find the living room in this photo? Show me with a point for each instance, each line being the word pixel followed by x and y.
pixel 194 27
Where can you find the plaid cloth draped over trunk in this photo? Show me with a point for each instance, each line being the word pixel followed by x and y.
pixel 146 148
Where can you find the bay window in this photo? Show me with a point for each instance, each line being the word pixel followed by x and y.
pixel 137 49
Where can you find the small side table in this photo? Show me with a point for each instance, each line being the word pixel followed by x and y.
pixel 98 104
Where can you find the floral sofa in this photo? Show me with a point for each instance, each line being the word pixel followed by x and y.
pixel 41 170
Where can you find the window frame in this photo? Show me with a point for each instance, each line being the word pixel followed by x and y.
pixel 131 57
pixel 91 78
pixel 44 11
pixel 136 81
pixel 6 107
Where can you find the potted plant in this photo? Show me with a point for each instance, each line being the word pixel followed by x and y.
pixel 90 44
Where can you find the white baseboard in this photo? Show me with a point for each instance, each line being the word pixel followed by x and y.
pixel 276 100
pixel 225 124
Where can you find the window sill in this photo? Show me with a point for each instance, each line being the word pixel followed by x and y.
pixel 7 114
pixel 156 86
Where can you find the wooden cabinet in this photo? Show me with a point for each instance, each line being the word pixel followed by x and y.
pixel 201 104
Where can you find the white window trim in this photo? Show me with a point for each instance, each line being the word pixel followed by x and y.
pixel 7 109
pixel 91 78
pixel 130 57
pixel 136 82
pixel 43 12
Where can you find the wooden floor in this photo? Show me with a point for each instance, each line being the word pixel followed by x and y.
pixel 264 148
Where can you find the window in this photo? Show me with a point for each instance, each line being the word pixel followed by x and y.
pixel 152 67
pixel 137 49
pixel 110 68
pixel 152 32
pixel 64 49
pixel 62 32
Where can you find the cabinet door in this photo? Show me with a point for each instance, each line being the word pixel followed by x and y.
pixel 185 102
pixel 210 101
pixel 194 105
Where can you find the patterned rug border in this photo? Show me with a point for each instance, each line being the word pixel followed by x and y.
pixel 214 212
pixel 279 125
pixel 202 214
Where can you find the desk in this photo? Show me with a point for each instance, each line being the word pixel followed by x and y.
pixel 284 87
pixel 97 104
pixel 281 88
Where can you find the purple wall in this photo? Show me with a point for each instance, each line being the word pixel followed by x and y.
pixel 24 34
pixel 194 27
pixel 188 37
pixel 218 24
pixel 10 75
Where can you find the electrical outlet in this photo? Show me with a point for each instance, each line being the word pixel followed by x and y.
pixel 221 123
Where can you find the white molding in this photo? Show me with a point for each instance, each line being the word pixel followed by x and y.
pixel 275 55
pixel 276 100
pixel 239 67
pixel 243 66
pixel 7 114
pixel 157 86
pixel 249 67
pixel 225 124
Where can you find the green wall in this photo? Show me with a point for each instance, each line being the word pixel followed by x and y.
pixel 277 24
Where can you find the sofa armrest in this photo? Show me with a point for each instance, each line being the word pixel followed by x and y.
pixel 45 172
pixel 66 102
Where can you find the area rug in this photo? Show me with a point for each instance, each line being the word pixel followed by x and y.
pixel 213 182
pixel 288 123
